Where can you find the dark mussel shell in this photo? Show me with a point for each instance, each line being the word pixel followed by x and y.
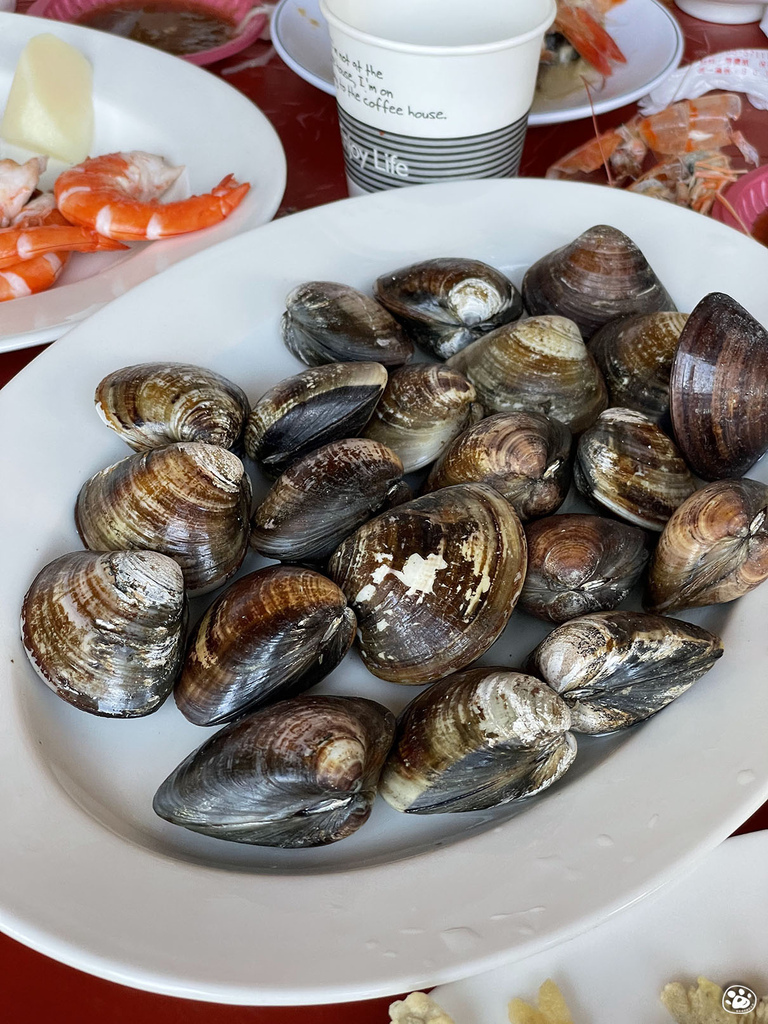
pixel 713 549
pixel 301 773
pixel 323 498
pixel 106 631
pixel 579 564
pixel 615 669
pixel 270 635
pixel 303 413
pixel 477 739
pixel 602 274
pixel 525 456
pixel 446 303
pixel 719 389
pixel 325 322
pixel 151 405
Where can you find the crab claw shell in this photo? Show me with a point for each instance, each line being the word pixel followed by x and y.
pixel 579 564
pixel 190 501
pixel 602 274
pixel 322 498
pixel 151 405
pixel 300 773
pixel 525 456
pixel 303 413
pixel 626 463
pixel 432 582
pixel 422 409
pixel 713 549
pixel 477 739
pixel 106 631
pixel 270 635
pixel 538 365
pixel 326 322
pixel 615 669
pixel 446 303
pixel 718 391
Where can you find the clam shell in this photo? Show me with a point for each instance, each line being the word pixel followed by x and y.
pixel 719 389
pixel 432 582
pixel 106 631
pixel 151 405
pixel 300 773
pixel 322 498
pixel 477 739
pixel 602 274
pixel 713 549
pixel 303 413
pixel 627 464
pixel 635 356
pixel 325 322
pixel 579 564
pixel 422 409
pixel 538 365
pixel 270 635
pixel 444 304
pixel 615 669
pixel 523 455
pixel 190 501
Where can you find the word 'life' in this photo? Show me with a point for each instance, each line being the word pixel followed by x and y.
pixel 376 159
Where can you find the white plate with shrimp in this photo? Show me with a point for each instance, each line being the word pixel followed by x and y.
pixel 144 100
pixel 93 877
pixel 645 31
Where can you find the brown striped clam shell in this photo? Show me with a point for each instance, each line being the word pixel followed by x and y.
pixel 106 631
pixel 270 635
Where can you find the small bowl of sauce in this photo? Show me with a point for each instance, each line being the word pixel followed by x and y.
pixel 749 198
pixel 200 31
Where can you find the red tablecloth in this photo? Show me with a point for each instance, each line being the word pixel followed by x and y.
pixel 34 988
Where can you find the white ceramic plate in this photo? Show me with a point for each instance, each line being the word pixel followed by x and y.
pixel 712 923
pixel 646 32
pixel 92 877
pixel 144 99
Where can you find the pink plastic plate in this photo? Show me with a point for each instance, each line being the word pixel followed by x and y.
pixel 749 198
pixel 247 14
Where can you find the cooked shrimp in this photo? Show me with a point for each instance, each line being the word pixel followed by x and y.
pixel 48 234
pixel 17 183
pixel 31 276
pixel 118 196
pixel 581 22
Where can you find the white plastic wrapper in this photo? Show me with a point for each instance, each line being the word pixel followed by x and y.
pixel 733 70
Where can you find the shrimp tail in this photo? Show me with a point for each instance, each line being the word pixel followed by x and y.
pixel 588 37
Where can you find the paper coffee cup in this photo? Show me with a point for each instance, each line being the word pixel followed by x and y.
pixel 434 90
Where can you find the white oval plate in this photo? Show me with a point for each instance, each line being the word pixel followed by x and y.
pixel 92 877
pixel 144 99
pixel 646 32
pixel 711 923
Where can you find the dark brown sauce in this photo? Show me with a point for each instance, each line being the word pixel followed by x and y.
pixel 178 28
pixel 760 228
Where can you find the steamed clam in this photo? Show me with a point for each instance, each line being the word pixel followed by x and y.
pixel 719 389
pixel 189 500
pixel 422 409
pixel 444 304
pixel 270 635
pixel 106 631
pixel 615 669
pixel 300 773
pixel 302 413
pixel 326 322
pixel 635 356
pixel 538 365
pixel 627 464
pixel 602 274
pixel 579 564
pixel 525 456
pixel 713 549
pixel 151 405
pixel 432 582
pixel 477 739
pixel 322 498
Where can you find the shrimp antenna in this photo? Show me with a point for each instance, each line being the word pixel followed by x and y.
pixel 606 165
pixel 721 199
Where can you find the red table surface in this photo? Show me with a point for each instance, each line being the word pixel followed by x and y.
pixel 35 988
